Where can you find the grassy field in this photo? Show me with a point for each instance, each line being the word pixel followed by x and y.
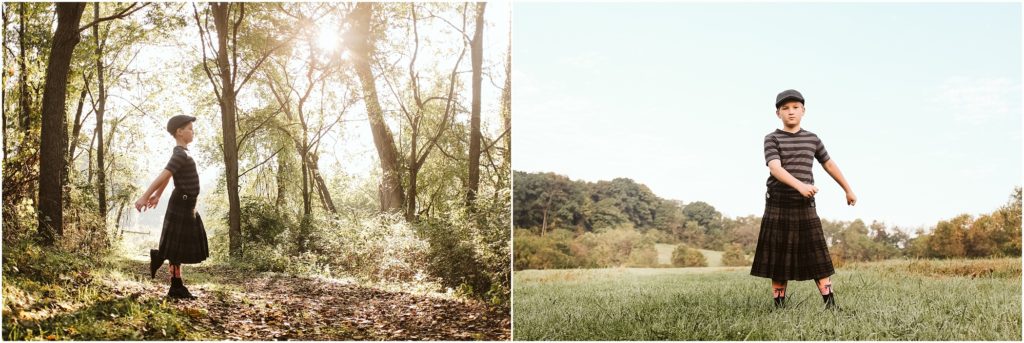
pixel 889 300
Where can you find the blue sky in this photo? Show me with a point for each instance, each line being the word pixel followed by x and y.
pixel 919 104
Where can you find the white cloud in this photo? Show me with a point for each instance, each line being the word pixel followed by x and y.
pixel 977 100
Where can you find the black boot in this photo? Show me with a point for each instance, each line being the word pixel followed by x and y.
pixel 178 290
pixel 830 300
pixel 155 261
pixel 780 302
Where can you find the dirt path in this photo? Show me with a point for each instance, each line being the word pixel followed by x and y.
pixel 238 305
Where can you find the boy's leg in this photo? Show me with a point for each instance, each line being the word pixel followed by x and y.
pixel 779 293
pixel 824 285
pixel 779 288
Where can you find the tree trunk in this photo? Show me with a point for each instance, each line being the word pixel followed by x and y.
pixel 321 186
pixel 3 93
pixel 476 56
pixel 410 212
pixel 25 117
pixel 101 174
pixel 506 103
pixel 227 121
pixel 391 197
pixel 54 122
pixel 306 206
pixel 282 167
pixel 414 169
pixel 77 129
pixel 69 159
pixel 544 222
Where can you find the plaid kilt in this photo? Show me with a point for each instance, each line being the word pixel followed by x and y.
pixel 791 245
pixel 183 238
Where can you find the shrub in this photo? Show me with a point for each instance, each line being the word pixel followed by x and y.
pixel 734 257
pixel 261 221
pixel 684 256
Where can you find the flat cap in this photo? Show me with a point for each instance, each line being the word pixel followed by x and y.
pixel 177 122
pixel 788 95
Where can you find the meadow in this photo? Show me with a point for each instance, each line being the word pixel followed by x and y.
pixel 888 300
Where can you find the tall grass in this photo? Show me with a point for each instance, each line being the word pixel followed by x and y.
pixel 890 300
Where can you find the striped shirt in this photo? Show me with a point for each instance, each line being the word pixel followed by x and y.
pixel 183 170
pixel 797 151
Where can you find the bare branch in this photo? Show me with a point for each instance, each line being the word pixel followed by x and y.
pixel 206 67
pixel 121 14
pixel 261 163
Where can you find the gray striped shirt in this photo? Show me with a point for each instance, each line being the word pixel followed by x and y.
pixel 183 171
pixel 797 152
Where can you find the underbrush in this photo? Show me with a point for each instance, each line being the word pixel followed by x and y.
pixel 56 294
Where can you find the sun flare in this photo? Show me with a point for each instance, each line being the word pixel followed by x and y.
pixel 327 37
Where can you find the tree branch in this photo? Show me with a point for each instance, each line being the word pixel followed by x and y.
pixel 261 163
pixel 121 14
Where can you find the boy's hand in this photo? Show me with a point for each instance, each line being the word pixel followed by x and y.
pixel 851 199
pixel 153 200
pixel 140 204
pixel 807 190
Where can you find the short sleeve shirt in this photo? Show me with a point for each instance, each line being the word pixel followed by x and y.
pixel 797 152
pixel 183 171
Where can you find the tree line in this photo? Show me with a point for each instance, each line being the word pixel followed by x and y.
pixel 559 222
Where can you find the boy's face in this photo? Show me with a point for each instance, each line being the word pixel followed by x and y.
pixel 790 113
pixel 186 133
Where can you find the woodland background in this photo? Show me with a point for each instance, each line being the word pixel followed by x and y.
pixel 278 88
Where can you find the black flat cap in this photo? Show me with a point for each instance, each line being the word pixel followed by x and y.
pixel 788 95
pixel 177 122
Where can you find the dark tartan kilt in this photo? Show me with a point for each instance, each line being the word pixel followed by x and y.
pixel 791 245
pixel 183 238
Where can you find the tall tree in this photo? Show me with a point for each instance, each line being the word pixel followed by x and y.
pixel 227 119
pixel 417 113
pixel 231 80
pixel 506 102
pixel 391 193
pixel 101 178
pixel 23 70
pixel 52 144
pixel 474 123
pixel 53 133
pixel 307 140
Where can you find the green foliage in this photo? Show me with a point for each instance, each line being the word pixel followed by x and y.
pixel 994 234
pixel 618 247
pixel 684 256
pixel 536 252
pixel 54 293
pixel 733 256
pixel 380 248
pixel 545 200
pixel 262 222
pixel 451 258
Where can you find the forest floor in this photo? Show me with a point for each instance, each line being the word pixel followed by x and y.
pixel 117 300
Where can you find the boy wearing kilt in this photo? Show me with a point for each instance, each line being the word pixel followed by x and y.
pixel 791 245
pixel 183 237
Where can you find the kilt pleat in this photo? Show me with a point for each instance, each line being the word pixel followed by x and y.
pixel 791 244
pixel 183 238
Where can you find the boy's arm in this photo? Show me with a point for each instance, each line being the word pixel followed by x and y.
pixel 160 189
pixel 833 170
pixel 157 185
pixel 775 167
